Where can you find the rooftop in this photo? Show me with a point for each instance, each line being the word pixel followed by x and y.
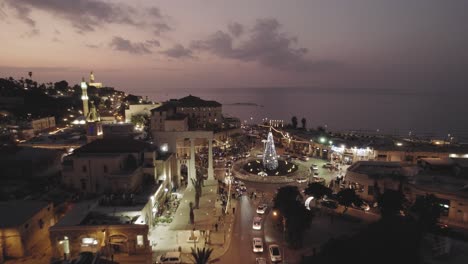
pixel 17 212
pixel 114 145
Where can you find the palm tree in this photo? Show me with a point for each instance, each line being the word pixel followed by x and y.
pixel 201 256
pixel 303 121
pixel 294 121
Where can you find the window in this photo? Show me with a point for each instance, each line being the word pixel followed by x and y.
pixel 140 240
pixel 26 226
pixel 40 223
pixel 84 169
pixel 105 168
pixel 370 190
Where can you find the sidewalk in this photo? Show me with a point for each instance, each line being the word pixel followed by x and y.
pixel 175 236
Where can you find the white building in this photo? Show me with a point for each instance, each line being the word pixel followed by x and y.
pixel 139 109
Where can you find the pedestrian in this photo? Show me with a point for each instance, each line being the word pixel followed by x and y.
pixel 233 210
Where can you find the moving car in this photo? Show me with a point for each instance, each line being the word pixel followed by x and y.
pixel 169 258
pixel 247 154
pixel 275 254
pixel 304 158
pixel 259 155
pixel 327 165
pixel 260 261
pixel 257 223
pixel 261 209
pixel 314 167
pixel 257 244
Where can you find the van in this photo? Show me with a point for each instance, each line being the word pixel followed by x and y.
pixel 169 258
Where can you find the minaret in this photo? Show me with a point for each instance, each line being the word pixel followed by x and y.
pixel 84 97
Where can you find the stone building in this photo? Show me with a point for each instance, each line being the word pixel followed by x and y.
pixel 24 227
pixel 117 165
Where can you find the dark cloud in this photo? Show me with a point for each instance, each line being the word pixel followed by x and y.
pixel 87 15
pixel 264 44
pixel 154 11
pixel 160 28
pixel 236 29
pixel 178 51
pixel 122 44
pixel 154 43
pixel 92 46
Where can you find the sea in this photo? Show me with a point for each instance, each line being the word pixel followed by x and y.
pixel 428 114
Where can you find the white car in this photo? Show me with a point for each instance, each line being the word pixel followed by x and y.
pixel 259 155
pixel 314 167
pixel 301 179
pixel 260 261
pixel 261 209
pixel 247 154
pixel 275 254
pixel 257 244
pixel 169 258
pixel 257 223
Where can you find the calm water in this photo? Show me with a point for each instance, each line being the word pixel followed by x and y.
pixel 425 114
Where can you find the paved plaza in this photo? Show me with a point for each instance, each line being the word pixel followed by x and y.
pixel 175 236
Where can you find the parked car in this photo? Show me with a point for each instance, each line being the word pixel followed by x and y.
pixel 260 261
pixel 169 258
pixel 329 204
pixel 364 206
pixel 275 254
pixel 261 209
pixel 257 223
pixel 257 244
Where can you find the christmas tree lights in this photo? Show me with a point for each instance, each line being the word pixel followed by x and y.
pixel 270 160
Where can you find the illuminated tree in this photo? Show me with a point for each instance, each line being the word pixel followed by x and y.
pixel 270 160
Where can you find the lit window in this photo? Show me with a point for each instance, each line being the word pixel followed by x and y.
pixel 88 241
pixel 140 240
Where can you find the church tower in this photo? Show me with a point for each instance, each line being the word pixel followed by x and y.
pixel 84 97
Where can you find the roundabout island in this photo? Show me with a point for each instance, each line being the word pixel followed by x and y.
pixel 269 169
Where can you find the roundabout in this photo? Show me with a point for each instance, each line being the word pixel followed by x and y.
pixel 269 169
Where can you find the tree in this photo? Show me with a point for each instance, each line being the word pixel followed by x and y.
pixel 139 120
pixel 347 197
pixel 197 183
pixel 291 210
pixel 201 256
pixel 294 121
pixel 317 190
pixel 61 86
pixel 303 121
pixel 427 211
pixel 391 203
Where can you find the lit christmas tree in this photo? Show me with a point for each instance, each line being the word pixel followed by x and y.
pixel 270 160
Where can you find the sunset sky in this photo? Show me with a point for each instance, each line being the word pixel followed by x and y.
pixel 143 44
